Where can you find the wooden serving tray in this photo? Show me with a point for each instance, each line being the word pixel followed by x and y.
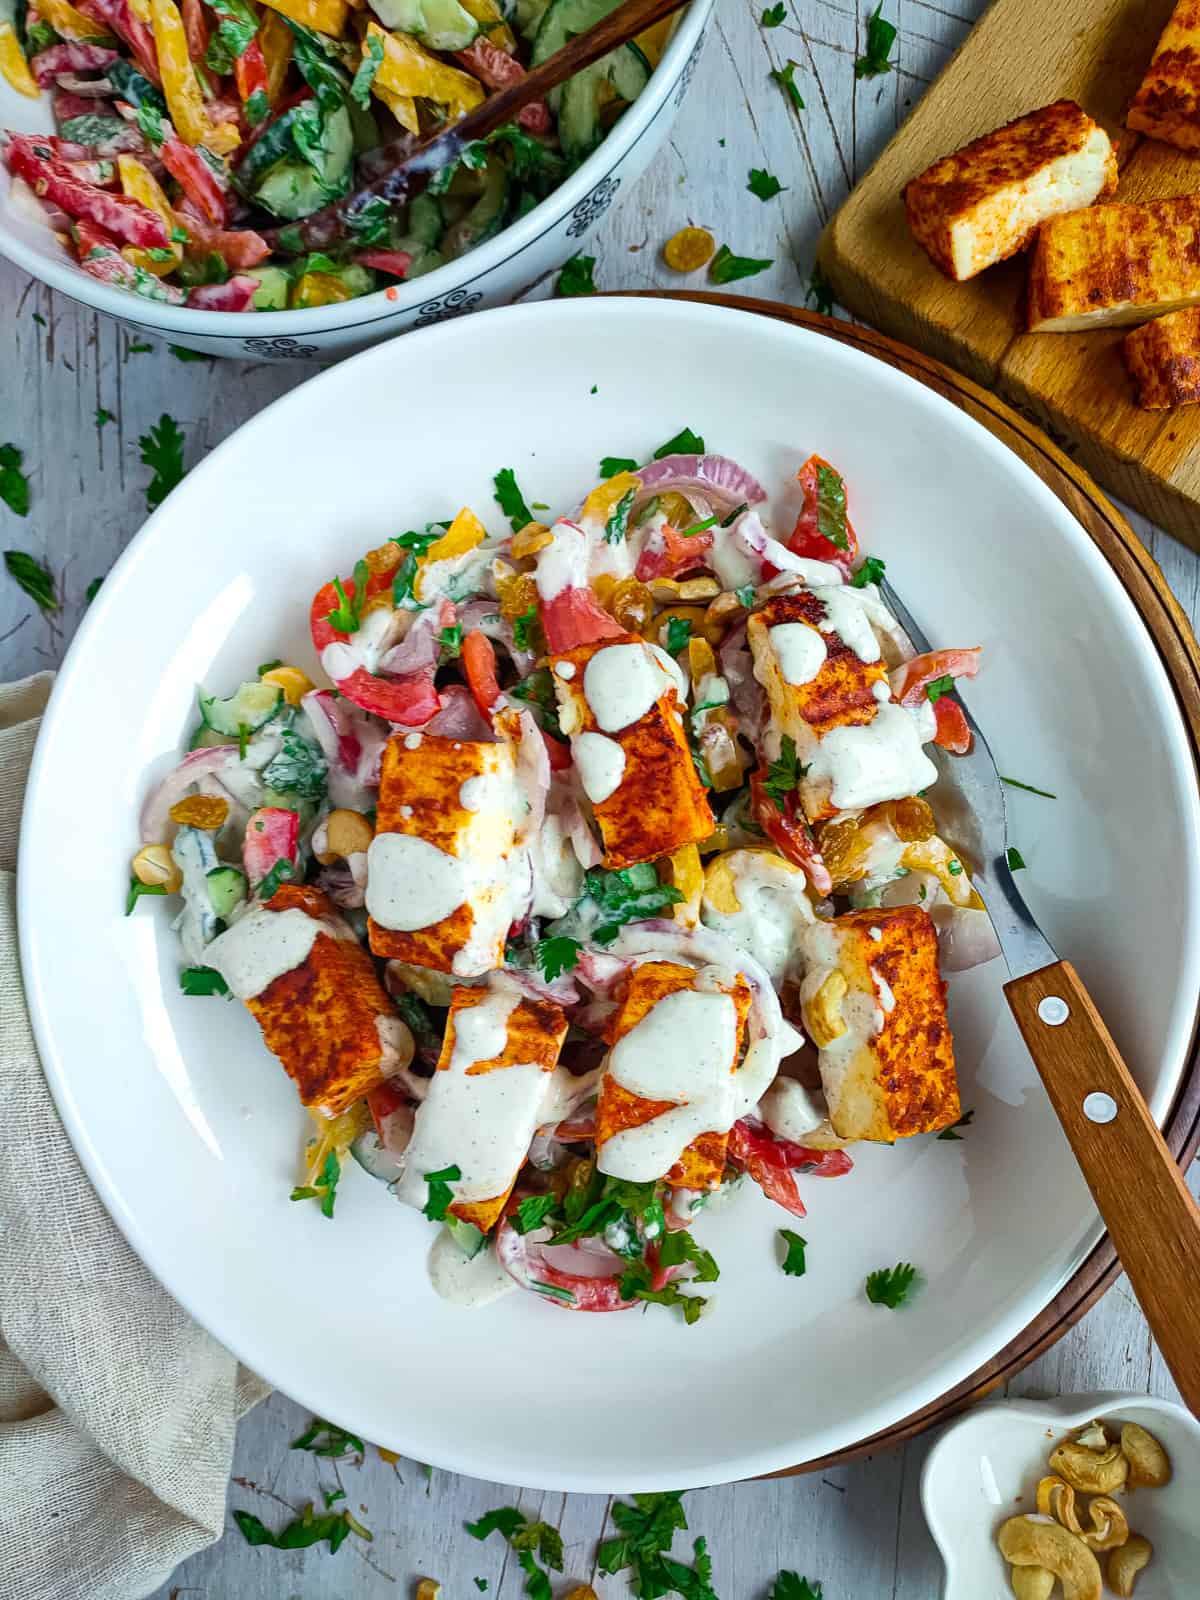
pixel 1023 54
pixel 1168 626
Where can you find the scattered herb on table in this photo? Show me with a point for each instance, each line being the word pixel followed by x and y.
pixel 964 1121
pixel 103 417
pixel 530 1540
pixel 785 77
pixel 646 1531
pixel 182 354
pixel 14 485
pixel 333 1528
pixel 794 1263
pixel 891 1286
pixel 332 1496
pixel 727 268
pixel 881 35
pixel 39 319
pixel 1029 788
pixel 790 1586
pixel 324 1190
pixel 685 443
pixel 510 499
pixel 92 590
pixel 1016 861
pixel 138 349
pixel 819 293
pixel 36 580
pixel 774 15
pixel 162 452
pixel 576 277
pixel 326 1439
pixel 763 184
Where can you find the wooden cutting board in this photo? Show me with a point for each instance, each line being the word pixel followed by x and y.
pixel 1021 55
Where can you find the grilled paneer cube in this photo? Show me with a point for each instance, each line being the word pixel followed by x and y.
pixel 486 1099
pixel 874 1004
pixel 1163 358
pixel 984 202
pixel 1167 106
pixel 445 876
pixel 667 1096
pixel 817 654
pixel 1115 264
pixel 314 991
pixel 620 704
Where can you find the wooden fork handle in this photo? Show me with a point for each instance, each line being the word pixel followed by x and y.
pixel 1139 1190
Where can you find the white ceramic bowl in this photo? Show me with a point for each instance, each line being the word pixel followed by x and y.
pixel 490 275
pixel 985 1469
pixel 191 1131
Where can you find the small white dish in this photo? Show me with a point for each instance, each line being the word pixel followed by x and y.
pixel 986 1467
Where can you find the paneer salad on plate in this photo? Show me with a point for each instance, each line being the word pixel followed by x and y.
pixel 598 878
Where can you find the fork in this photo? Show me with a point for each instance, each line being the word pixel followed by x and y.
pixel 1151 1217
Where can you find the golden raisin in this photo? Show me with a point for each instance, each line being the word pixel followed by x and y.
pixel 840 846
pixel 631 604
pixel 385 558
pixel 912 820
pixel 200 811
pixel 677 509
pixel 517 594
pixel 689 249
pixel 534 536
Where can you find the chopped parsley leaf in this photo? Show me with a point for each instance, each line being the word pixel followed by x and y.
pixel 202 980
pixel 763 184
pixel 774 15
pixel 344 616
pixel 819 293
pixel 324 1190
pixel 103 417
pixel 92 590
pixel 39 319
pixel 964 1121
pixel 440 1193
pixel 745 595
pixel 1015 783
pixel 679 1247
pixel 629 894
pixel 533 1211
pixel 1016 861
pixel 36 579
pixel 685 443
pixel 528 1539
pixel 332 1496
pixel 645 1533
pixel 282 872
pixel 938 687
pixel 790 1586
pixel 141 349
pixel 784 775
pixel 679 631
pixel 831 507
pixel 538 690
pixel 267 666
pixel 793 1262
pixel 881 35
pixel 364 77
pixel 162 452
pixel 618 523
pixel 180 354
pixel 137 889
pixel 510 499
pixel 576 277
pixel 14 485
pixel 450 642
pixel 611 465
pixel 481 1584
pixel 332 1528
pixel 326 1439
pixel 725 267
pixel 871 571
pixel 785 77
pixel 523 627
pixel 890 1286
pixel 556 956
pixel 636 1283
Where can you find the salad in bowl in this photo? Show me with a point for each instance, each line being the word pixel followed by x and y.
pixel 597 878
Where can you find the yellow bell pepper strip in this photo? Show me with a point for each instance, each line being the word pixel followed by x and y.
pixel 319 289
pixel 653 41
pixel 326 16
pixel 491 19
pixel 71 23
pixel 686 874
pixel 461 537
pixel 606 497
pixel 13 64
pixel 408 69
pixel 139 183
pixel 141 10
pixel 275 37
pixel 180 85
pixel 402 106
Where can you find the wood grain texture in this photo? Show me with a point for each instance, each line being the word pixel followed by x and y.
pixel 857 1526
pixel 1075 385
pixel 1138 1189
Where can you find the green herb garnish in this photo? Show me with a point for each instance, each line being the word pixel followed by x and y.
pixel 202 980
pixel 103 416
pixel 162 452
pixel 576 277
pixel 181 354
pixel 533 1211
pixel 964 1121
pixel 137 889
pixel 14 485
pixel 326 1439
pixel 450 642
pixel 685 443
pixel 871 571
pixel 679 631
pixel 646 1531
pixel 523 627
pixel 282 872
pixel 360 88
pixel 324 1190
pixel 890 1286
pixel 1016 861
pixel 611 465
pixel 831 507
pixel 630 894
pixel 556 956
pixel 440 1193
pixel 785 77
pixel 793 1262
pixel 725 267
pixel 938 687
pixel 763 184
pixel 36 579
pixel 790 1586
pixel 819 293
pixel 784 775
pixel 745 596
pixel 774 15
pixel 881 35
pixel 92 590
pixel 332 1496
pixel 1015 783
pixel 618 523
pixel 306 1530
pixel 510 499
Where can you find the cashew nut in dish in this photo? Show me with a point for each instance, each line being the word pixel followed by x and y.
pixel 1109 1526
pixel 1056 1498
pixel 1031 1583
pixel 1125 1564
pixel 1149 1463
pixel 1093 1437
pixel 823 1013
pixel 1038 1542
pixel 346 834
pixel 1093 1471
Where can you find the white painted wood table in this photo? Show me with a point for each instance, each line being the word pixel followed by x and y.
pixel 857 1529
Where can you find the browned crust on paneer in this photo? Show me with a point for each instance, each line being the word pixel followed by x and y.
pixel 1167 105
pixel 969 179
pixel 702 1163
pixel 660 803
pixel 842 695
pixel 320 1018
pixel 914 1051
pixel 536 1030
pixel 1114 264
pixel 1163 358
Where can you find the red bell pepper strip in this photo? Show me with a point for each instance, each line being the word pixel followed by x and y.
pixel 479 662
pixel 237 247
pixel 953 730
pixel 807 540
pixel 770 1162
pixel 69 57
pixel 910 681
pixel 498 70
pixel 250 74
pixel 196 178
pixel 195 26
pixel 667 553
pixel 576 617
pixel 559 753
pixel 119 17
pixel 411 699
pixel 126 220
pixel 272 834
pixel 237 294
pixel 395 262
pixel 789 831
pixel 383 1101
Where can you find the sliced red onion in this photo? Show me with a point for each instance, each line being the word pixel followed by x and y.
pixel 197 764
pixel 351 741
pixel 418 650
pixel 523 1257
pixel 546 1154
pixel 749 535
pixel 722 482
pixel 533 775
pixel 339 884
pixel 561 990
pixel 86 88
pixel 459 717
pixel 601 971
pixel 966 937
pixel 746 694
pixel 583 841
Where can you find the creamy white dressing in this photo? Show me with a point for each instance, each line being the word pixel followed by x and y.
pixel 467 1283
pixel 557 873
pixel 411 883
pixel 879 760
pixel 565 669
pixel 621 683
pixel 791 1111
pixel 480 1122
pixel 601 765
pixel 412 741
pixel 799 650
pixel 261 946
pixel 774 910
pixel 673 671
pixel 681 1051
pixel 563 563
pixel 473 792
pixel 376 634
pixel 887 1000
pixel 848 613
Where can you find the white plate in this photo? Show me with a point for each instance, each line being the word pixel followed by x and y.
pixel 190 1131
pixel 986 1467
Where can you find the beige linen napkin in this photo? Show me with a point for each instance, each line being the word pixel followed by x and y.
pixel 117 1413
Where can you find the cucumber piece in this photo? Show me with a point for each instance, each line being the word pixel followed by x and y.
pixel 424 224
pixel 528 14
pixel 91 127
pixel 272 145
pixel 206 738
pixel 563 20
pixel 486 217
pixel 315 170
pixel 466 1236
pixel 371 1156
pixel 253 705
pixel 227 888
pixel 579 126
pixel 439 24
pixel 272 293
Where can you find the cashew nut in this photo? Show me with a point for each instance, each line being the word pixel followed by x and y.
pixel 1149 1463
pixel 1093 1437
pixel 1031 1583
pixel 429 1589
pixel 1110 1528
pixel 346 834
pixel 1056 1498
pixel 1031 1542
pixel 1125 1564
pixel 823 1011
pixel 1092 1471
